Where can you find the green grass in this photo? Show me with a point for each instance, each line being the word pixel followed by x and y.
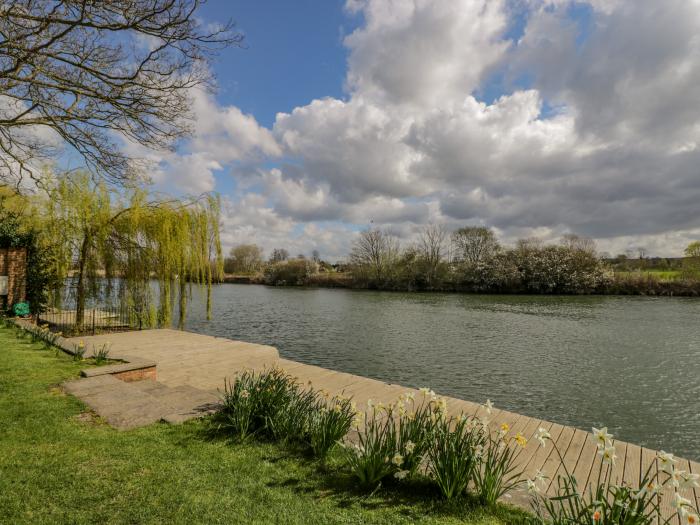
pixel 663 275
pixel 59 464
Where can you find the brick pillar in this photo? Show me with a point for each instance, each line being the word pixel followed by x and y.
pixel 13 264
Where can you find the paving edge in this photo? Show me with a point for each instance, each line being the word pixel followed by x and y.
pixel 132 370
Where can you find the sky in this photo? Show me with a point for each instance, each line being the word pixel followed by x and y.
pixel 533 117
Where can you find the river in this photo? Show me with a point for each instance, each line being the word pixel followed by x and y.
pixel 629 363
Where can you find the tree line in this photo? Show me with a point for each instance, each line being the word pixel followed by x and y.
pixel 469 259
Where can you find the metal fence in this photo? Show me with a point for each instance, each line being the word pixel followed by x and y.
pixel 94 320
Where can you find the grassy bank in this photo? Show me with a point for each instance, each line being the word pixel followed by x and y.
pixel 61 465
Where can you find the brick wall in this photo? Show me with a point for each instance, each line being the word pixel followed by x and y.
pixel 13 264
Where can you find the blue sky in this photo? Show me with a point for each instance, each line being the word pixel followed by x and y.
pixel 533 117
pixel 293 53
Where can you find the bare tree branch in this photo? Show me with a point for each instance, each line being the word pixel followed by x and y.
pixel 92 71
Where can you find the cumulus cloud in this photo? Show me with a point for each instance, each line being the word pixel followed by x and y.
pixel 595 128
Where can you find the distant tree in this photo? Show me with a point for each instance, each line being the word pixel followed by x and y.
pixel 432 249
pixel 89 72
pixel 693 249
pixel 316 256
pixel 244 259
pixel 278 255
pixel 374 253
pixel 691 264
pixel 577 242
pixel 474 244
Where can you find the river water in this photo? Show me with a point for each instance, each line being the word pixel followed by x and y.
pixel 630 363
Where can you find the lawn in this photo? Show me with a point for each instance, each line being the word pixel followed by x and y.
pixel 59 464
pixel 662 275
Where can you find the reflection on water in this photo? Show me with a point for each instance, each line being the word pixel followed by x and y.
pixel 632 364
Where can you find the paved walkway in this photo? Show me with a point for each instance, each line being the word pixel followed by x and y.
pixel 191 369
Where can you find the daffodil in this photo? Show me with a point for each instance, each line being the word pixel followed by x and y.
pixel 651 488
pixel 689 480
pixel 542 435
pixel 602 438
pixel 488 406
pixel 520 440
pixel 667 461
pixel 608 454
pixel 410 447
pixel 505 427
pixel 397 459
pixel 680 503
pixel 532 487
pixel 401 474
pixel 245 394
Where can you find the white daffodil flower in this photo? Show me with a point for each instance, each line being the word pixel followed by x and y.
pixel 602 438
pixel 608 454
pixel 410 447
pixel 401 474
pixel 667 461
pixel 689 481
pixel 680 503
pixel 532 487
pixel 397 459
pixel 542 436
pixel 651 488
pixel 488 406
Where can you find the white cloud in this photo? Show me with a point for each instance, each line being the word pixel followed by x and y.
pixel 616 159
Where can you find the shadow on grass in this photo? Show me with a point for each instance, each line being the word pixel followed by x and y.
pixel 331 480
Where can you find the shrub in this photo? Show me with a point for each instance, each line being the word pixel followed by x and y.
pixel 416 428
pixel 329 423
pixel 79 351
pixel 375 454
pixel 237 414
pixel 295 272
pixel 101 355
pixel 454 454
pixel 292 425
pixel 497 473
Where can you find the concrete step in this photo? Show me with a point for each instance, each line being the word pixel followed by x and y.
pixel 138 403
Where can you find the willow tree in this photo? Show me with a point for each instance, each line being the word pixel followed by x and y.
pixel 101 233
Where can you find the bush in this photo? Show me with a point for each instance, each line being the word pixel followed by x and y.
pixel 374 456
pixel 295 272
pixel 454 454
pixel 497 473
pixel 329 423
pixel 272 405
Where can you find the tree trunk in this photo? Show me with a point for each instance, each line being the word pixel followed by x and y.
pixel 80 291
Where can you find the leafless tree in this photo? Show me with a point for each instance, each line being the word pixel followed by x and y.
pixel 375 250
pixel 279 255
pixel 579 243
pixel 245 259
pixel 89 72
pixel 432 249
pixel 474 244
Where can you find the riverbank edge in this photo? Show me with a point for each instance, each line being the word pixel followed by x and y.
pixel 627 286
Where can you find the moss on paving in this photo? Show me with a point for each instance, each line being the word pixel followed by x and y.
pixel 59 464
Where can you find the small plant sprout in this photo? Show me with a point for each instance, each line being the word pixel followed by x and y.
pixel 79 351
pixel 101 354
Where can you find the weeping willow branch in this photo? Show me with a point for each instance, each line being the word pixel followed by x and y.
pixel 100 233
